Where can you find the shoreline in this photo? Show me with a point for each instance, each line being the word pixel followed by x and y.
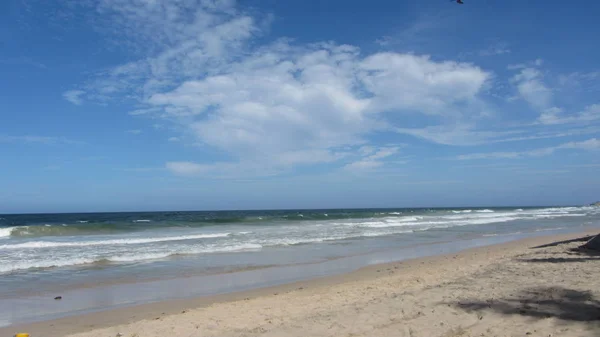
pixel 410 269
pixel 107 296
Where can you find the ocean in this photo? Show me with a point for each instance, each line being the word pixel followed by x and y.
pixel 46 254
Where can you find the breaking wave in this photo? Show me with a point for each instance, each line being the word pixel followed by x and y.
pixel 89 240
pixel 55 244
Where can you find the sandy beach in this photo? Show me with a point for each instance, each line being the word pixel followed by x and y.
pixel 533 287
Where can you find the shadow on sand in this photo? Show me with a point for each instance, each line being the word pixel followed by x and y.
pixel 558 243
pixel 543 302
pixel 578 254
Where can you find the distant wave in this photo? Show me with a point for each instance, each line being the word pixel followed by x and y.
pixel 548 229
pixel 54 244
pixel 62 230
pixel 501 234
pixel 92 226
pixel 105 223
pixel 552 216
pixel 67 241
pixel 439 223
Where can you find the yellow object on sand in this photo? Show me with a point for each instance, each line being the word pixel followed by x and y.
pixel 22 335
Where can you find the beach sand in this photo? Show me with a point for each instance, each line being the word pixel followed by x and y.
pixel 511 289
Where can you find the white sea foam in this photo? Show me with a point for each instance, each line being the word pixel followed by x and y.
pixel 383 233
pixel 141 220
pixel 386 224
pixel 548 229
pixel 121 257
pixel 5 232
pixel 501 234
pixel 120 249
pixel 234 248
pixel 291 242
pixel 138 257
pixel 482 221
pixel 22 265
pixel 552 216
pixel 478 216
pixel 54 244
pixel 404 219
pixel 459 221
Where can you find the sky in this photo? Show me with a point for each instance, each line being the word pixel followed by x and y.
pixel 124 105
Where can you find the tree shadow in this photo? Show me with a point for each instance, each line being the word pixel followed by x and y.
pixel 558 243
pixel 575 254
pixel 560 259
pixel 543 302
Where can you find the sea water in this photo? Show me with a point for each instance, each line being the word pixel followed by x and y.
pixel 45 254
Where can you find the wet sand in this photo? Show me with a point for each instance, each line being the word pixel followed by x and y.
pixel 509 289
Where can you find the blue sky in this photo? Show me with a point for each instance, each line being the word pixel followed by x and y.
pixel 115 105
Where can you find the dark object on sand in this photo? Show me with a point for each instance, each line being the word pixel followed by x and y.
pixel 58 298
pixel 593 244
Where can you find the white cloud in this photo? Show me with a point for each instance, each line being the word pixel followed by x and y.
pixel 179 38
pixel 221 170
pixel 188 168
pixel 459 134
pixel 283 104
pixel 499 48
pixel 551 134
pixel 405 81
pixel 491 155
pixel 373 159
pixel 142 169
pixel 556 115
pixel 530 86
pixel 139 112
pixel 581 81
pixel 590 144
pixel 134 132
pixel 174 139
pixel 418 34
pixel 322 98
pixel 74 96
pixel 38 139
pixel 253 167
